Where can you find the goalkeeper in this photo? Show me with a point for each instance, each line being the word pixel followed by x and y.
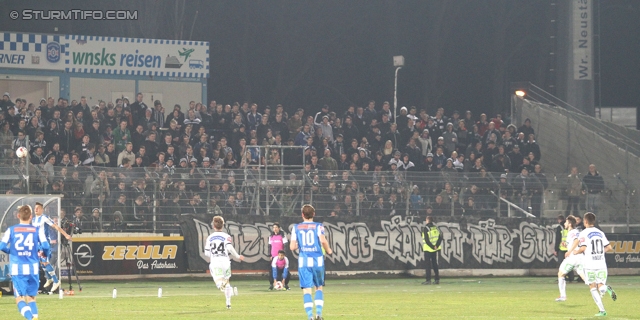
pixel 280 270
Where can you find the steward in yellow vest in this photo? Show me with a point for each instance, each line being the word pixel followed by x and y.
pixel 431 241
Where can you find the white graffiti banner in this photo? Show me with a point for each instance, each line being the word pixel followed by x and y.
pixel 400 238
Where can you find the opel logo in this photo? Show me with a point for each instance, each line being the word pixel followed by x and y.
pixel 83 255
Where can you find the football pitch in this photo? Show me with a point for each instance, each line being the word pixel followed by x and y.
pixel 393 298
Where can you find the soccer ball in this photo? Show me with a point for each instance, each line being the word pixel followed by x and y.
pixel 21 152
pixel 277 285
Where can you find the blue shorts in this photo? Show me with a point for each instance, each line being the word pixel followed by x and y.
pixel 25 285
pixel 311 277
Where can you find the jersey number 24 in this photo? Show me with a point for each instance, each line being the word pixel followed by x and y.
pixel 21 241
pixel 217 250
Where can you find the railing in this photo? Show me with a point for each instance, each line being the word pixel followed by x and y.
pixel 151 199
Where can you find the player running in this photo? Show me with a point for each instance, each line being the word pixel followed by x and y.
pixel 572 261
pixel 22 243
pixel 218 247
pixel 43 221
pixel 594 244
pixel 311 237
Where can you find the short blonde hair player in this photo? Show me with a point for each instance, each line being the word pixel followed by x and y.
pixel 218 247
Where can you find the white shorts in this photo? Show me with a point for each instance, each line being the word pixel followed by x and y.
pixel 598 276
pixel 221 272
pixel 573 262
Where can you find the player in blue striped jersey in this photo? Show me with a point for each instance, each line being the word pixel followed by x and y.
pixel 308 236
pixel 22 242
pixel 43 221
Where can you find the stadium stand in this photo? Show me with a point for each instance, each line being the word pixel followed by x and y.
pixel 128 166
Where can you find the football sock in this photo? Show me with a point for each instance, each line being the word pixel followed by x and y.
pixel 308 304
pixel 562 285
pixel 34 309
pixel 52 273
pixel 597 299
pixel 603 290
pixel 319 302
pixel 228 292
pixel 25 311
pixel 46 273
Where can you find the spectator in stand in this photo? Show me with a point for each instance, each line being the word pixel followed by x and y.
pixel 532 146
pixel 516 158
pixel 537 197
pixel 121 136
pixel 426 145
pixel 393 134
pixel 20 141
pixel 95 223
pixel 523 187
pixel 439 207
pixel 439 159
pixel 574 191
pixel 463 135
pixel 450 138
pixel 491 134
pixel 594 185
pixel 127 153
pixel 482 124
pixel 526 128
pixel 508 141
pixel 469 207
pixel 327 162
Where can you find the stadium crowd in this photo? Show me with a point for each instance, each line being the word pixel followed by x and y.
pixel 126 162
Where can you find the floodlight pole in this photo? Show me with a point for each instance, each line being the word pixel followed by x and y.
pixel 395 97
pixel 398 62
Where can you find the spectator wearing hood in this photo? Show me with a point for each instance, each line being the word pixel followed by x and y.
pixel 594 183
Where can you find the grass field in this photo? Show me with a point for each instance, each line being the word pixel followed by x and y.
pixel 394 298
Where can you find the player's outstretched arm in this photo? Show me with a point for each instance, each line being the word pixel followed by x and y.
pixel 62 232
pixel 233 252
pixel 608 248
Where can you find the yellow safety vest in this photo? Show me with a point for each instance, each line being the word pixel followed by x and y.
pixel 433 235
pixel 563 241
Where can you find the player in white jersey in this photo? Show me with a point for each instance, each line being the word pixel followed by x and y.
pixel 43 221
pixel 572 261
pixel 594 245
pixel 218 247
pixel 24 243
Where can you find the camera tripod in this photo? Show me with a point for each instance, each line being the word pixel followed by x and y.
pixel 67 255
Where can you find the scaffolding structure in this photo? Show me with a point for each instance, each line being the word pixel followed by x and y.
pixel 273 178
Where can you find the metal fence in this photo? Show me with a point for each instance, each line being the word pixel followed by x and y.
pixel 568 138
pixel 103 199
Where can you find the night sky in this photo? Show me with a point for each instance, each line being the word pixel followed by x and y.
pixel 459 54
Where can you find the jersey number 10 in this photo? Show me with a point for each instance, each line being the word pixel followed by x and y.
pixel 308 238
pixel 596 246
